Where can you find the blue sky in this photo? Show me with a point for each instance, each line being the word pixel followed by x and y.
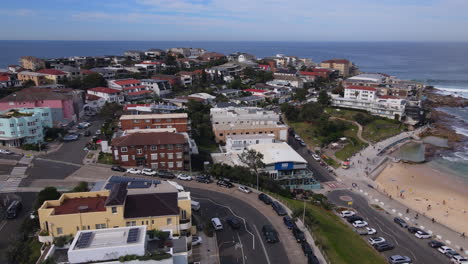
pixel 279 20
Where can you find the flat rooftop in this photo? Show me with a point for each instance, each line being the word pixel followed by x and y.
pixel 109 238
pixel 154 116
pixel 81 205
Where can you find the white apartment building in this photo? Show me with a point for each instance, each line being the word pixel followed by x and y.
pixel 363 93
pixel 159 87
pixel 110 95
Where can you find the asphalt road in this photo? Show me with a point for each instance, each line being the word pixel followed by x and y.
pixel 237 246
pixel 9 228
pixel 320 172
pixel 405 243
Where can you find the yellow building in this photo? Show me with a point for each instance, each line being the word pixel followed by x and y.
pixel 342 65
pixel 119 207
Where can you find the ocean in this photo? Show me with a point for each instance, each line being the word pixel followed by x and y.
pixel 441 64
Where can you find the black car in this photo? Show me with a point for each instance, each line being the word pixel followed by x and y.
pixel 312 259
pixel 400 222
pixel 14 209
pixel 413 229
pixel 298 235
pixel 384 246
pixel 166 174
pixel 225 184
pixel 203 179
pixel 270 234
pixel 435 244
pixel 264 198
pixel 288 222
pixel 87 133
pixel 306 248
pixel 354 218
pixel 234 222
pixel 279 209
pixel 118 168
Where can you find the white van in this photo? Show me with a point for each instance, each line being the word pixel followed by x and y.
pixel 195 205
pixel 217 223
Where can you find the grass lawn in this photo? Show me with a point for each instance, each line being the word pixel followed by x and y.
pixel 350 148
pixel 105 158
pixel 381 129
pixel 339 242
pixel 208 147
pixel 306 132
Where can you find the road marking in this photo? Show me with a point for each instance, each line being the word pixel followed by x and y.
pixel 229 208
pixel 394 239
pixel 242 248
pixel 2 225
pixel 263 245
pixel 61 162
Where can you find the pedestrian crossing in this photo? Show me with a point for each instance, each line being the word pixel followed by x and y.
pixel 11 182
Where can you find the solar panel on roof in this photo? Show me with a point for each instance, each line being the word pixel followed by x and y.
pixel 135 185
pixel 133 235
pixel 84 240
pixel 109 186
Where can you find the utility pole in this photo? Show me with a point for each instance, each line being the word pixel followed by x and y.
pixel 303 212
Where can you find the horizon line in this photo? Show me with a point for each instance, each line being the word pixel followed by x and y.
pixel 299 41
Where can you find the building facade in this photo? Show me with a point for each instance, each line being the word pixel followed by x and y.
pixel 161 88
pixel 37 78
pixel 179 121
pixel 342 65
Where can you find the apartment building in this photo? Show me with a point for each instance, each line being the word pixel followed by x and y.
pixel 152 148
pixel 179 121
pixel 24 126
pixel 55 76
pixel 37 78
pixel 110 95
pixel 363 93
pixel 132 89
pixel 32 63
pixel 342 65
pixel 162 88
pixel 126 203
pixel 232 121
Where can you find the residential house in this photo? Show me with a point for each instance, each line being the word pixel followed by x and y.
pixel 229 93
pixel 32 63
pixel 108 74
pixel 179 121
pixel 251 100
pixel 108 94
pixel 155 54
pixel 172 79
pixel 8 80
pixel 212 56
pixel 202 97
pixel 72 72
pixel 150 67
pixel 241 57
pixel 227 69
pixel 287 80
pixel 187 78
pixel 241 142
pixel 20 126
pixel 55 76
pixel 37 78
pixel 232 121
pixel 363 93
pixel 161 88
pixel 135 55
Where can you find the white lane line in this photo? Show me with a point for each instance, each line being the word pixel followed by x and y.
pixel 2 225
pixel 263 245
pixel 242 248
pixel 229 208
pixel 394 239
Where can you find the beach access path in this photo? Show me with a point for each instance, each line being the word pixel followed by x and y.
pixel 366 164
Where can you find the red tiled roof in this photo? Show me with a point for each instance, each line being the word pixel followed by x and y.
pixel 150 62
pixel 365 88
pixel 126 82
pixel 92 97
pixel 200 72
pixel 151 138
pixel 338 61
pixel 52 72
pixel 5 74
pixel 4 78
pixel 139 92
pixel 320 70
pixel 104 90
pixel 84 71
pixel 255 90
pixel 134 87
pixel 306 73
pixel 83 205
pixel 186 73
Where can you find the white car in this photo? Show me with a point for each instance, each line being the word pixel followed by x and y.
pixel 444 249
pixel 134 171
pixel 5 151
pixel 316 157
pixel 371 231
pixel 347 213
pixel 458 259
pixel 244 189
pixel 184 177
pixel 196 240
pixel 84 124
pixel 148 172
pixel 422 235
pixel 98 132
pixel 376 240
pixel 360 223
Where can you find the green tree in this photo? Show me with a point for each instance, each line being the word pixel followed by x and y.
pixel 253 160
pixel 236 84
pixel 221 98
pixel 111 110
pixel 323 98
pixel 311 112
pixel 290 112
pixel 48 193
pixel 29 83
pixel 300 94
pixel 93 80
pixel 81 187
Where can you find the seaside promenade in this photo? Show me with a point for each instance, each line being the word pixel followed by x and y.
pixel 368 164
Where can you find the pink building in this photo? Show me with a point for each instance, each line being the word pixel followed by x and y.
pixel 66 104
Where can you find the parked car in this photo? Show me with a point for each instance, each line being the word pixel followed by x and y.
pixel 346 214
pixel 244 189
pixel 14 209
pixel 264 198
pixel 458 259
pixel 279 209
pixel 217 225
pixel 422 235
pixel 397 259
pixel 5 151
pixel 98 132
pixel 118 168
pixel 225 184
pixel 435 244
pixel 354 218
pixel 184 177
pixel 400 222
pixel 166 174
pixel 196 240
pixel 71 137
pixel 288 222
pixel 134 171
pixel 87 133
pixel 83 125
pixel 413 229
pixel 303 143
pixel 451 254
pixel 298 234
pixel 312 259
pixel 384 246
pixel 444 249
pixel 234 222
pixel 376 240
pixel 148 172
pixel 203 179
pixel 359 223
pixel 306 248
pixel 195 205
pixel 366 231
pixel 270 234
pixel 316 157
pixel 371 231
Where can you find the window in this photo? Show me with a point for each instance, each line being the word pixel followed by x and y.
pixel 147 120
pixel 170 155
pixel 162 146
pixel 169 221
pixel 170 164
pixel 154 166
pixel 139 151
pixel 152 222
pixel 179 146
pixel 179 164
pixel 162 155
pixel 179 155
pixel 142 222
pixel 157 120
pixel 123 149
pixel 12 125
pixel 124 157
pixel 163 164
pixel 114 209
pixel 183 214
pixel 2 132
pixel 168 120
pixel 101 226
pixel 136 121
pixel 154 147
pixel 59 230
pixel 154 156
pixel 131 223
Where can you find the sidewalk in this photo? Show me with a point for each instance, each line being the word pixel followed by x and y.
pixel 51 147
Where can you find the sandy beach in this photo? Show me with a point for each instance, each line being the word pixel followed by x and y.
pixel 428 191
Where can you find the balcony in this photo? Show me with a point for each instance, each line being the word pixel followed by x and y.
pixel 185 224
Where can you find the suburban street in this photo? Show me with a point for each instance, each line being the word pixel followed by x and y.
pixel 405 242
